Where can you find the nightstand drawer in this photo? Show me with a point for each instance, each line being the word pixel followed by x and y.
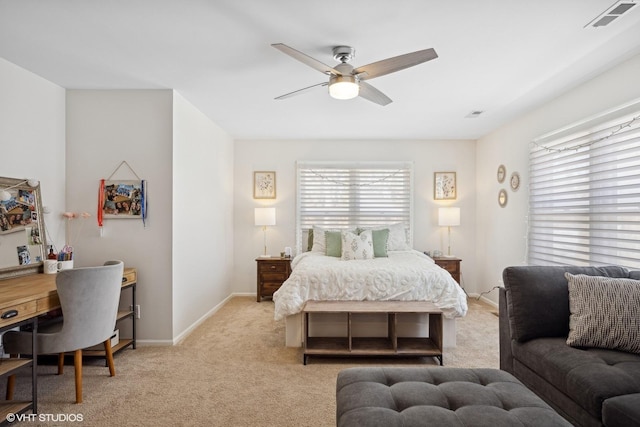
pixel 450 266
pixel 273 267
pixel 268 288
pixel 273 277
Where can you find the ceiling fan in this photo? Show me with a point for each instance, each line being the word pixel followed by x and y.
pixel 346 82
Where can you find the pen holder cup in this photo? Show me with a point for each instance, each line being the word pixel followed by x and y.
pixel 50 266
pixel 65 265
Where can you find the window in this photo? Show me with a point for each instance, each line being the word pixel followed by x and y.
pixel 584 196
pixel 345 195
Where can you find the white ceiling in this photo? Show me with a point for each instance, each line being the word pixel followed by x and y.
pixel 503 57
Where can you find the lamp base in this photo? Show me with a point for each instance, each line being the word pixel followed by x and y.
pixel 264 256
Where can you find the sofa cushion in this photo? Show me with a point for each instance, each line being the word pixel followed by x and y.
pixel 538 298
pixel 587 376
pixel 605 312
pixel 621 411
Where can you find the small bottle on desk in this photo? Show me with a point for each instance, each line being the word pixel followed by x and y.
pixel 51 254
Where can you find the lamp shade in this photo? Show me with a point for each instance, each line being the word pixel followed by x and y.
pixel 265 216
pixel 448 217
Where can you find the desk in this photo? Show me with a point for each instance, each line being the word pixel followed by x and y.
pixel 23 299
pixel 34 295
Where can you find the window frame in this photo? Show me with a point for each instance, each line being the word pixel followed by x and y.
pixel 303 223
pixel 584 192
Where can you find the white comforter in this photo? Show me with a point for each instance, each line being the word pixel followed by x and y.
pixel 403 276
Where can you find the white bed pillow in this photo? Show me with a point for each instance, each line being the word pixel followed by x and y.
pixel 319 240
pixel 357 246
pixel 398 236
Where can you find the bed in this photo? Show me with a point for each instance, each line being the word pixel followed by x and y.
pixel 401 275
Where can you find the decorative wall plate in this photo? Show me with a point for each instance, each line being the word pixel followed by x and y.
pixel 502 198
pixel 502 173
pixel 515 181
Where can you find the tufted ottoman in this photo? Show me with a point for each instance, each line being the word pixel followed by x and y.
pixel 409 397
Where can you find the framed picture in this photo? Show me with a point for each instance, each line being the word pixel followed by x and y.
pixel 264 185
pixel 514 182
pixel 444 186
pixel 502 173
pixel 502 198
pixel 122 199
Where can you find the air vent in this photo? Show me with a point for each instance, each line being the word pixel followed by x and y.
pixel 614 12
pixel 474 114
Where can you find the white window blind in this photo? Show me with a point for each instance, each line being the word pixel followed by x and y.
pixel 346 195
pixel 584 195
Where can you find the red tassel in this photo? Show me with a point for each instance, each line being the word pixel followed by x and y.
pixel 100 203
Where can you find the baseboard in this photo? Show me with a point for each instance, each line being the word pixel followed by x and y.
pixel 178 339
pixel 153 343
pixel 484 299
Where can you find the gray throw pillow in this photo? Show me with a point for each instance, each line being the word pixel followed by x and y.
pixel 605 312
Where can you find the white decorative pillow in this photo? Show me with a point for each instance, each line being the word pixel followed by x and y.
pixel 604 312
pixel 357 246
pixel 398 239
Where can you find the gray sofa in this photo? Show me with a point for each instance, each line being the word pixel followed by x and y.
pixel 587 386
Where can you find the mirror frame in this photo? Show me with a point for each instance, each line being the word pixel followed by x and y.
pixel 33 267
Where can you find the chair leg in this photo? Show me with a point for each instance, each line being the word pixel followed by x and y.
pixel 11 382
pixel 109 354
pixel 60 363
pixel 77 363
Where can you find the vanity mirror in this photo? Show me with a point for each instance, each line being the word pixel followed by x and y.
pixel 22 235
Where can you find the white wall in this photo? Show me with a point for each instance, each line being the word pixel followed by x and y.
pixel 501 231
pixel 281 156
pixel 103 129
pixel 32 136
pixel 202 215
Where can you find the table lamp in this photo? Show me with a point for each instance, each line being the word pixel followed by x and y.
pixel 265 217
pixel 449 217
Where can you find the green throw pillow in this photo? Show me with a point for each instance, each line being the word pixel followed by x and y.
pixel 310 240
pixel 380 240
pixel 334 243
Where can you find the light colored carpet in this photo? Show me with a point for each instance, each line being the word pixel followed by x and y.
pixel 233 370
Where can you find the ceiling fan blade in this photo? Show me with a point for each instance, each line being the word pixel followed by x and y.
pixel 306 59
pixel 301 91
pixel 372 94
pixel 397 63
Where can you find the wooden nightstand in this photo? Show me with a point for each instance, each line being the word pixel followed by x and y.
pixel 452 265
pixel 272 272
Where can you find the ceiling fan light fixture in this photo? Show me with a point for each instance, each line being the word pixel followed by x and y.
pixel 343 87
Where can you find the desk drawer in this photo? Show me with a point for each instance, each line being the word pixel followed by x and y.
pixel 17 313
pixel 129 278
pixel 48 304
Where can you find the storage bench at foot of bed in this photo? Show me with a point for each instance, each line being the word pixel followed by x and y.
pixel 393 344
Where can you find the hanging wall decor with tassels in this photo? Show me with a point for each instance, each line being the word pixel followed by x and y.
pixel 122 199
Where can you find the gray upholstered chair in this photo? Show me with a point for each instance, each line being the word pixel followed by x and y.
pixel 89 298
